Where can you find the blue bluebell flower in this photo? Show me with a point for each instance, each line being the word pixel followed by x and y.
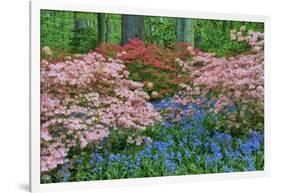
pixel 223 138
pixel 97 158
pixel 185 138
pixel 79 161
pixel 114 157
pixel 217 156
pixel 230 154
pixel 245 148
pixel 170 165
pixel 187 154
pixel 250 163
pixel 227 169
pixel 215 148
pixel 66 176
pixel 172 155
pixel 206 145
pixel 155 157
pixel 181 145
pixel 196 142
pixel 167 124
pixel 209 161
pixel 179 157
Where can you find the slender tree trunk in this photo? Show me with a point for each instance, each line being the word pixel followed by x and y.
pixel 151 30
pixel 101 28
pixel 62 29
pixel 224 27
pixel 231 25
pixel 179 30
pixel 197 34
pixel 132 27
pixel 161 20
pixel 150 33
pixel 108 29
pixel 188 30
pixel 185 30
pixel 79 25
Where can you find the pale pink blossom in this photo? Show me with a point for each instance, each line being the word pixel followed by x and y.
pixel 82 100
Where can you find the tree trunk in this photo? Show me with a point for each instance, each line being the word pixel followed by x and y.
pixel 179 30
pixel 161 21
pixel 101 28
pixel 132 27
pixel 79 26
pixel 231 25
pixel 79 23
pixel 188 30
pixel 224 27
pixel 184 30
pixel 108 29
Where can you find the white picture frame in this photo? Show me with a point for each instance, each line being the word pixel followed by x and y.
pixel 94 6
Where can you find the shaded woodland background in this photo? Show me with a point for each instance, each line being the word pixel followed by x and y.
pixel 80 32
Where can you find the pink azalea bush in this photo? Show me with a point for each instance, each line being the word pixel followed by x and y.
pixel 82 100
pixel 237 81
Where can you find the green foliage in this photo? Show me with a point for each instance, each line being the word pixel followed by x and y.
pixel 241 121
pixel 164 81
pixel 114 28
pixel 59 30
pixel 76 32
pixel 160 30
pixel 84 40
pixel 56 29
pixel 213 36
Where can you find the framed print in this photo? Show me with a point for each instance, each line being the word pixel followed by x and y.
pixel 123 96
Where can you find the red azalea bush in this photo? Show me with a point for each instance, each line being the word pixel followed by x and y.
pixel 231 82
pixel 82 100
pixel 157 64
pixel 182 51
pixel 109 50
pixel 137 52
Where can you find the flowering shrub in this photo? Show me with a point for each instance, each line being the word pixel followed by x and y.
pixel 188 146
pixel 149 62
pixel 109 50
pixel 136 52
pixel 254 39
pixel 82 100
pixel 197 61
pixel 182 51
pixel 55 54
pixel 235 81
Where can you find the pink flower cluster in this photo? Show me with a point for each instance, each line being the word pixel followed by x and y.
pixel 254 39
pixel 82 100
pixel 239 77
pixel 233 80
pixel 198 60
